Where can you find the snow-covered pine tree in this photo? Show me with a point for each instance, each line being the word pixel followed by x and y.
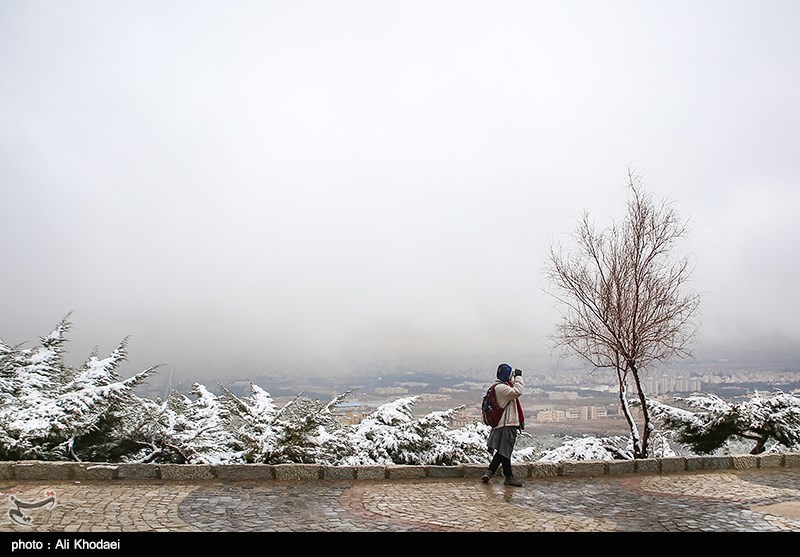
pixel 156 430
pixel 445 446
pixel 253 423
pixel 589 448
pixel 381 437
pixel 303 429
pixel 391 435
pixel 202 429
pixel 28 374
pixel 54 412
pixel 146 431
pixel 759 419
pixel 95 404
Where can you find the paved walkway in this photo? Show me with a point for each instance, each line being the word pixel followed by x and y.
pixel 758 500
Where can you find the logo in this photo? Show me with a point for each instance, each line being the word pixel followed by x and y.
pixel 17 512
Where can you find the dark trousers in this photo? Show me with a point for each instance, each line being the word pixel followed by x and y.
pixel 500 460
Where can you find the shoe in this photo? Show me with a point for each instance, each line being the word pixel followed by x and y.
pixel 486 477
pixel 511 480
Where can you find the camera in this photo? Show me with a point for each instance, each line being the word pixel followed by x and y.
pixel 517 372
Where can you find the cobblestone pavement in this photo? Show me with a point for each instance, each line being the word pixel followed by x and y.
pixel 761 500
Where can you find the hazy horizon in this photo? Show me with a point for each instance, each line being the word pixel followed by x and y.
pixel 297 186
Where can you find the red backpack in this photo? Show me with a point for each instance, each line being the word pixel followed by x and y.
pixel 490 408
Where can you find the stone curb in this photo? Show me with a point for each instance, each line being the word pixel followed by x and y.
pixel 100 471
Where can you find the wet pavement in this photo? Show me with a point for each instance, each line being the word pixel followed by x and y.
pixel 754 500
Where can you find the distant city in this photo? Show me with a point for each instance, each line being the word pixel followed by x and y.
pixel 556 393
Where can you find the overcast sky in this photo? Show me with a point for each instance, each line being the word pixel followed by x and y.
pixel 296 185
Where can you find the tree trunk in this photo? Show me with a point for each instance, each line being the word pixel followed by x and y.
pixel 645 413
pixel 626 411
pixel 761 444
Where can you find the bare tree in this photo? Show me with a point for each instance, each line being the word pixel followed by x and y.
pixel 622 300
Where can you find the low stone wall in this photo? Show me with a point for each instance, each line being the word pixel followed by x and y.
pixel 80 471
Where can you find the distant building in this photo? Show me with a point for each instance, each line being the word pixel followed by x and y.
pixel 391 391
pixel 668 384
pixel 551 416
pixel 349 413
pixel 577 413
pixel 593 412
pixel 350 418
pixel 565 395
